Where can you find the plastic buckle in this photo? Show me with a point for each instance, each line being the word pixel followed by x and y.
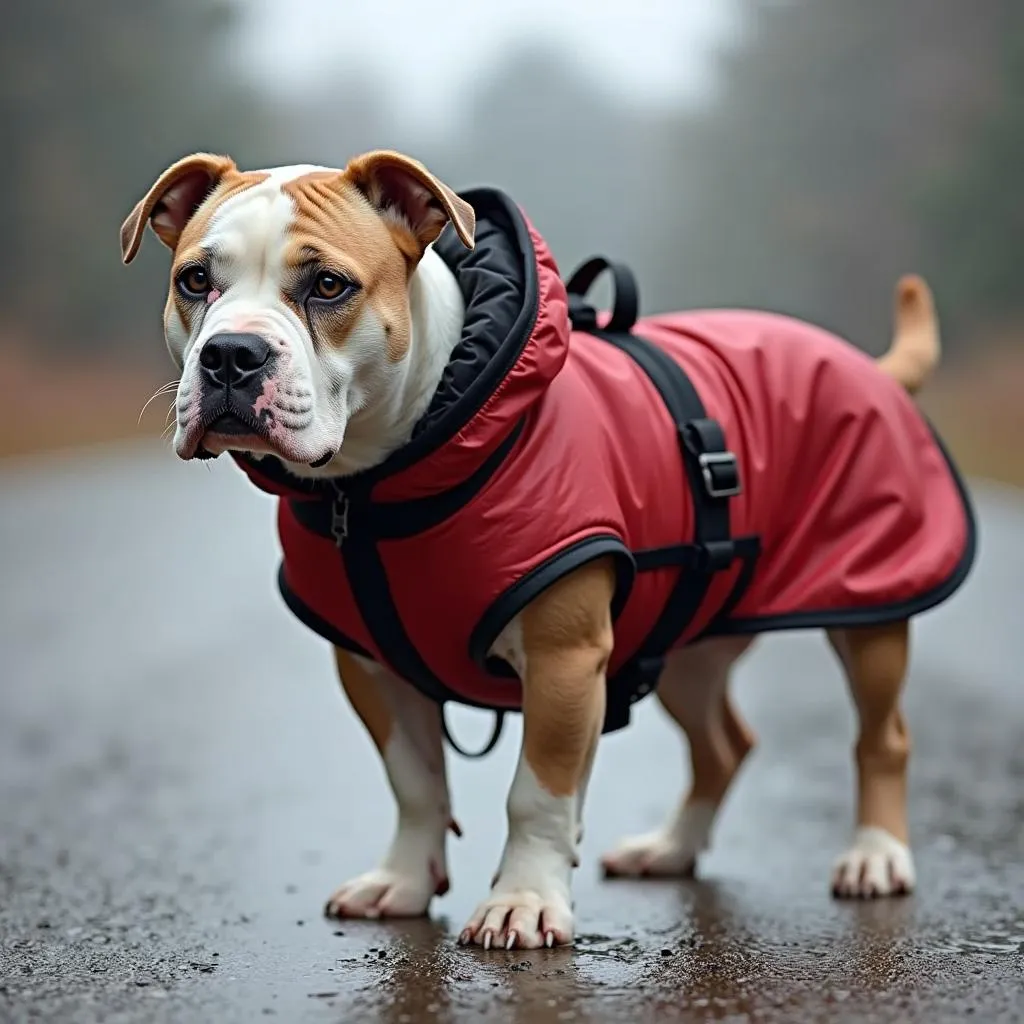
pixel 721 474
pixel 718 555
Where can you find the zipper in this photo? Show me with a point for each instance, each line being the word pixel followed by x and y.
pixel 339 517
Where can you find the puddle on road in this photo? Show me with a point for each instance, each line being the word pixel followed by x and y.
pixel 1009 944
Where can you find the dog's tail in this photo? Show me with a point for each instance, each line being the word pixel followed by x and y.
pixel 915 348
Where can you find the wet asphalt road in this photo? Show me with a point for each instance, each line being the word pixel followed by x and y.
pixel 181 786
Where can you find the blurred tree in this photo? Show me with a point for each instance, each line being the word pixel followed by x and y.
pixel 806 168
pixel 95 100
pixel 974 213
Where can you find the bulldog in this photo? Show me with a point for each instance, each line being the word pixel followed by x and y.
pixel 494 494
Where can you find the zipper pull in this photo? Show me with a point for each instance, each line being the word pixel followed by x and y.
pixel 339 518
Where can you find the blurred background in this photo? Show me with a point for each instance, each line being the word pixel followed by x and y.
pixel 797 155
pixel 179 779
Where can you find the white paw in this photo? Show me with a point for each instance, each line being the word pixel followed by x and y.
pixel 520 919
pixel 669 852
pixel 386 893
pixel 413 872
pixel 877 864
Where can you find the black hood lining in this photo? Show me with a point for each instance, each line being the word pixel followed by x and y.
pixel 500 289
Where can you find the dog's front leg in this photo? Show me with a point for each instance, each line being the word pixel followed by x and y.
pixel 560 646
pixel 406 728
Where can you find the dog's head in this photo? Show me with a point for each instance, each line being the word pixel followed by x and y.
pixel 289 298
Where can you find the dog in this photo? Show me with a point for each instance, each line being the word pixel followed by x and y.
pixel 494 494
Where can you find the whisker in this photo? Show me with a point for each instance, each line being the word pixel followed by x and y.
pixel 164 389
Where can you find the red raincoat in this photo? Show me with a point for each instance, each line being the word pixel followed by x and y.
pixel 546 447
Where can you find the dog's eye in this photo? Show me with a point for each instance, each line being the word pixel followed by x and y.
pixel 194 281
pixel 329 286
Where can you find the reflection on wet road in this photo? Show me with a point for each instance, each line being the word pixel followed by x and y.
pixel 181 786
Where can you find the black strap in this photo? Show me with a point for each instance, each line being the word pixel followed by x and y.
pixel 499 721
pixel 369 583
pixel 368 580
pixel 748 549
pixel 692 556
pixel 713 475
pixel 356 523
pixel 625 297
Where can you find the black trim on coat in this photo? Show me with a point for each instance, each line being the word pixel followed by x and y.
pixel 511 602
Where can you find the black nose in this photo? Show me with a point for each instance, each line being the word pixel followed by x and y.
pixel 233 360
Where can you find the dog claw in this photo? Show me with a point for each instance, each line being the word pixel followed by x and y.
pixel 549 939
pixel 487 939
pixel 465 937
pixel 511 943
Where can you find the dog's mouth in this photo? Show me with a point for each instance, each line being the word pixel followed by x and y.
pixel 231 424
pixel 231 429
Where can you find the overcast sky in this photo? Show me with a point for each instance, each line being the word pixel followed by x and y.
pixel 429 51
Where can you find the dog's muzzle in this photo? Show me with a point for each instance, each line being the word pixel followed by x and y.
pixel 233 368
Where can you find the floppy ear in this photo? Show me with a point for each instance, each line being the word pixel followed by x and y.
pixel 410 197
pixel 175 196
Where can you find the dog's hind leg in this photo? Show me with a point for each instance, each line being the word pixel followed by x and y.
pixel 878 862
pixel 693 689
pixel 406 729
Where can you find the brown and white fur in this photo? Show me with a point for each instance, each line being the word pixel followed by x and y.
pixel 334 270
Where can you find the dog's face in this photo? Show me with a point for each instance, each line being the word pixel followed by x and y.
pixel 289 296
